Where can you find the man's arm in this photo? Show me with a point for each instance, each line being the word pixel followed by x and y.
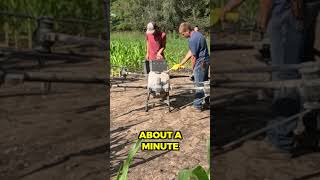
pixel 163 44
pixel 147 55
pixel 147 48
pixel 265 10
pixel 231 5
pixel 193 48
pixel 186 58
pixel 160 51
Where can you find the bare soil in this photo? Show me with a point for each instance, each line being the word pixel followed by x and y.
pixel 60 135
pixel 127 112
pixel 63 134
pixel 254 159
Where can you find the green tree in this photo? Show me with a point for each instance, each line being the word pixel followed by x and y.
pixel 134 14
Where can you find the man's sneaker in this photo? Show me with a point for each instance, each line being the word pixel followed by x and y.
pixel 191 78
pixel 268 150
pixel 197 109
pixel 193 109
pixel 306 142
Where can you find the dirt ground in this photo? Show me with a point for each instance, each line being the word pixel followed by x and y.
pixel 69 125
pixel 127 112
pixel 58 136
pixel 252 160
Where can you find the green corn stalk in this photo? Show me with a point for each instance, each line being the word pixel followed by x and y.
pixel 198 173
pixel 124 168
pixel 128 49
pixel 84 9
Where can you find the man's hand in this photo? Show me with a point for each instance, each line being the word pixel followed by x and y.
pixel 215 15
pixel 265 10
pixel 262 24
pixel 159 56
pixel 232 4
pixel 223 15
pixel 176 67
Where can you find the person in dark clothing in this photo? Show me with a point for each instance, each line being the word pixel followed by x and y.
pixel 198 51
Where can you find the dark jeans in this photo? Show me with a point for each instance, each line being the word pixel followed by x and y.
pixel 146 68
pixel 286 34
pixel 310 13
pixel 200 73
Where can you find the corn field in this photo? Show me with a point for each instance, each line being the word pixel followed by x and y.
pixel 128 49
pixel 23 22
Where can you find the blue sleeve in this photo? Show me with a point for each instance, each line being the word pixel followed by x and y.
pixel 193 45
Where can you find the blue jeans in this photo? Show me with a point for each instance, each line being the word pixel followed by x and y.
pixel 286 34
pixel 310 21
pixel 200 73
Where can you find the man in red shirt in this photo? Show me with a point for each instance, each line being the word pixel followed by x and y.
pixel 156 44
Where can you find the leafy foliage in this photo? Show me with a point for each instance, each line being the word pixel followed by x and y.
pixel 58 9
pixel 248 10
pixel 128 49
pixel 124 168
pixel 129 15
pixel 198 173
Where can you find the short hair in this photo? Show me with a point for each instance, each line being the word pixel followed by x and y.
pixel 185 26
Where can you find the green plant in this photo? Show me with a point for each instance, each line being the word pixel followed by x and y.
pixel 198 173
pixel 124 168
pixel 128 49
pixel 16 26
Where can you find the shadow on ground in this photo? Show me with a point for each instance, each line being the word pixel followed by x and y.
pixel 118 144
